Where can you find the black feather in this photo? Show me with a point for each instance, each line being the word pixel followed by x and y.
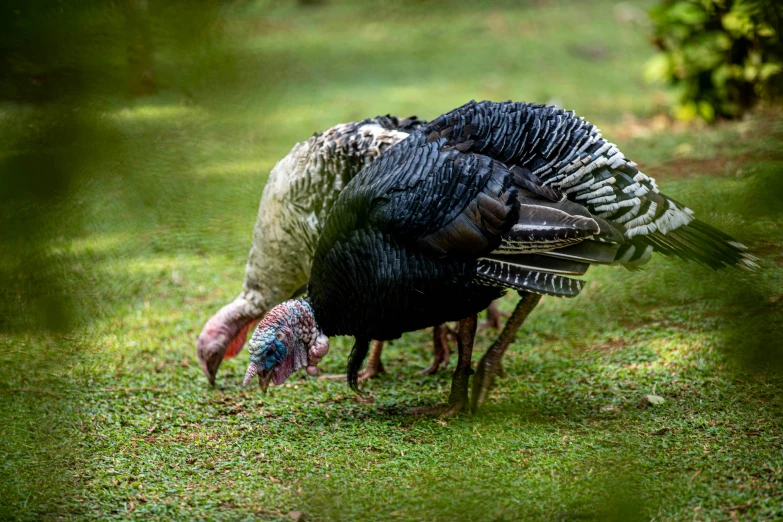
pixel 356 360
pixel 589 251
pixel 543 263
pixel 525 179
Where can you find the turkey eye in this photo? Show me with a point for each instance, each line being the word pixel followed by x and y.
pixel 280 336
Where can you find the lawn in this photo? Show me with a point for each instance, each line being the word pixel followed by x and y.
pixel 110 417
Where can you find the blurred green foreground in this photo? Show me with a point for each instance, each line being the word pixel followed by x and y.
pixel 135 140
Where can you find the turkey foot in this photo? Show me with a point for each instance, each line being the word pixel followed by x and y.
pixel 440 348
pixel 493 320
pixel 373 368
pixel 490 364
pixel 494 315
pixel 458 398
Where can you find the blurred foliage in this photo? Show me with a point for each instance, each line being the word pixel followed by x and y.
pixel 722 56
pixel 63 66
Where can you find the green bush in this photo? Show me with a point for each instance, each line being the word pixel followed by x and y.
pixel 722 56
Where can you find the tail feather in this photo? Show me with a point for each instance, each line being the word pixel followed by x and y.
pixel 700 242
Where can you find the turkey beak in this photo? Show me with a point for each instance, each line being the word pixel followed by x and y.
pixel 263 379
pixel 264 376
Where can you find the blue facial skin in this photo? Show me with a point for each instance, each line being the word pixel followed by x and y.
pixel 275 353
pixel 272 351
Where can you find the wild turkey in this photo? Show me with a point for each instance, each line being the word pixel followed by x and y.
pixel 299 193
pixel 487 197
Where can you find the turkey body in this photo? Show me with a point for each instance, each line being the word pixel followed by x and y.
pixel 487 197
pixel 410 290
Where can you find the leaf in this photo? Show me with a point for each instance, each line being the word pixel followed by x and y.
pixel 687 13
pixel 769 69
pixel 650 399
pixel 723 41
pixel 750 73
pixel 738 23
pixel 685 111
pixel 706 111
pixel 658 68
pixel 720 75
pixel 765 31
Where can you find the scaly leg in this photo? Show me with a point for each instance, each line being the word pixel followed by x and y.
pixel 440 349
pixel 458 398
pixel 373 368
pixel 489 365
pixel 494 321
pixel 494 316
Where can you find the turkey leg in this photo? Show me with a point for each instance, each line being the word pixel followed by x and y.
pixel 373 368
pixel 494 316
pixel 458 398
pixel 494 320
pixel 489 365
pixel 440 348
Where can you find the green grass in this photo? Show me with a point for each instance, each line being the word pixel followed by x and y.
pixel 115 420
